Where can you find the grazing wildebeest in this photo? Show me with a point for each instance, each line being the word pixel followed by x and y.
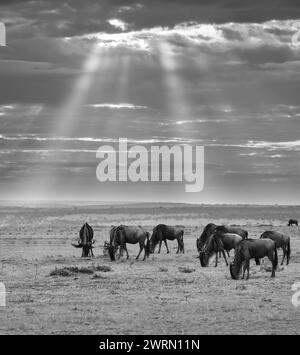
pixel 212 228
pixel 86 241
pixel 293 222
pixel 253 249
pixel 218 243
pixel 162 233
pixel 282 241
pixel 207 232
pixel 121 235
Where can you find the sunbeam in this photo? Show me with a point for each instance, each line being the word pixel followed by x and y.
pixel 71 110
pixel 177 105
pixel 39 183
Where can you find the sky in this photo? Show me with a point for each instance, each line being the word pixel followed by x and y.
pixel 77 75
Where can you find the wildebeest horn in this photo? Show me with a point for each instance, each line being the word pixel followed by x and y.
pixel 77 245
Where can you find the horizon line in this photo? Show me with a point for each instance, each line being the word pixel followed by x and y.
pixel 99 202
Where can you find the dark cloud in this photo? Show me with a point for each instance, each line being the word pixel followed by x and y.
pixel 234 88
pixel 73 17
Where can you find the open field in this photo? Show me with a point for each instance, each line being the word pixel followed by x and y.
pixel 136 297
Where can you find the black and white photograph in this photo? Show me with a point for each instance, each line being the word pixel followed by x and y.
pixel 149 170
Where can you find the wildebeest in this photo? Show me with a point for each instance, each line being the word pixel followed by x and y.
pixel 213 228
pixel 253 249
pixel 234 230
pixel 218 243
pixel 293 222
pixel 121 235
pixel 207 232
pixel 162 233
pixel 86 241
pixel 282 241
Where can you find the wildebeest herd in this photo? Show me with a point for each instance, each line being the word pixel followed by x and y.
pixel 215 240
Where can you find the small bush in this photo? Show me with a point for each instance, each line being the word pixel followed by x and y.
pixel 102 268
pixel 61 272
pixel 186 270
pixel 70 271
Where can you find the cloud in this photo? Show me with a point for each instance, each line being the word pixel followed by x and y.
pixel 119 24
pixel 118 106
pixel 289 145
pixel 276 33
pixel 16 67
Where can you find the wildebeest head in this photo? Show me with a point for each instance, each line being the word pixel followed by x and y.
pixel 113 242
pixel 153 241
pixel 112 252
pixel 204 258
pixel 235 275
pixel 85 241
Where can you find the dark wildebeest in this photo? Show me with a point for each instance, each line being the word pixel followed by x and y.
pixel 213 228
pixel 207 232
pixel 253 249
pixel 282 241
pixel 218 243
pixel 86 241
pixel 293 222
pixel 162 233
pixel 111 236
pixel 121 235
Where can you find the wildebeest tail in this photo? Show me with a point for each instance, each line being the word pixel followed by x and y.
pixel 288 250
pixel 275 257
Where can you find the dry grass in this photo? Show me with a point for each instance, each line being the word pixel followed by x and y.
pixel 165 294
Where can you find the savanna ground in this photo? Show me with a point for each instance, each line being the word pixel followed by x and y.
pixel 136 297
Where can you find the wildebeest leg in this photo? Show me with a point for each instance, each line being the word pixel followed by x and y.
pixel 141 249
pixel 247 263
pixel 244 270
pixel 145 253
pixel 257 261
pixel 125 248
pixel 178 245
pixel 159 246
pixel 224 256
pixel 271 258
pixel 216 261
pixel 120 252
pixel 228 254
pixel 284 254
pixel 166 244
